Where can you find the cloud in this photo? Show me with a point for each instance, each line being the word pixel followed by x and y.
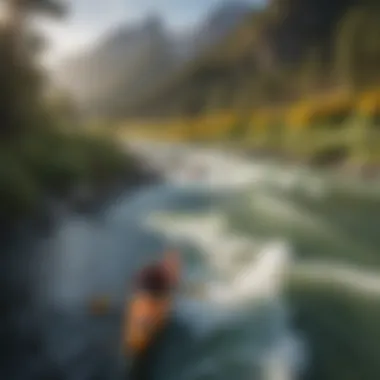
pixel 64 40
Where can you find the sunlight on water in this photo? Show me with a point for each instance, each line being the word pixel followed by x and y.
pixel 247 273
pixel 258 274
pixel 248 232
pixel 246 266
pixel 347 277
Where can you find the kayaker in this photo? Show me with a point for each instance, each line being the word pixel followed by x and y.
pixel 159 278
pixel 150 307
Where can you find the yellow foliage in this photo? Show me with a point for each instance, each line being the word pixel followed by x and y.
pixel 298 115
pixel 368 104
pixel 320 110
pixel 211 126
pixel 324 110
pixel 266 118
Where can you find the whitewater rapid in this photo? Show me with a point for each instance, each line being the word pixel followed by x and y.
pixel 246 230
pixel 245 267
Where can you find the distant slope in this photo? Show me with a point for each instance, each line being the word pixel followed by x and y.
pixel 213 78
pixel 218 24
pixel 132 61
pixel 114 58
pixel 276 55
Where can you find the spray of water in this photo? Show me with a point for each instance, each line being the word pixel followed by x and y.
pixel 245 271
pixel 246 274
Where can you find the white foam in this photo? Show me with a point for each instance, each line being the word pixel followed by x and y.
pixel 223 169
pixel 285 361
pixel 259 275
pixel 345 276
pixel 249 271
pixel 285 211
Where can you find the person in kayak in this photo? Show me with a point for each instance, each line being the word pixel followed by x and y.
pixel 150 307
pixel 158 279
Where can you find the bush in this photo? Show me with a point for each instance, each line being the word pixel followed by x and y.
pixel 330 112
pixel 53 162
pixel 332 155
pixel 239 130
pixel 368 106
pixel 52 159
pixel 19 192
pixel 103 157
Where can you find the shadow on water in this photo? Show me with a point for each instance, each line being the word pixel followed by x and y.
pixel 342 331
pixel 48 280
pixel 159 358
pixel 46 283
pixel 203 342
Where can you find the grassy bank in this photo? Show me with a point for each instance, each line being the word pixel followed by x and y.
pixel 45 151
pixel 55 163
pixel 336 129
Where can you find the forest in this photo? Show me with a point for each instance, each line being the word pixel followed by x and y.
pixel 299 78
pixel 46 150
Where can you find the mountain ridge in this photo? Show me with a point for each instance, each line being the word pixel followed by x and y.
pixel 116 66
pixel 275 56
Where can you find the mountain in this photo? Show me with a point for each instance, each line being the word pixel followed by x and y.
pixel 133 60
pixel 217 24
pixel 114 58
pixel 276 55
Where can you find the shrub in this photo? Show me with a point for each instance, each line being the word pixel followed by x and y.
pixel 368 106
pixel 330 112
pixel 19 192
pixel 330 155
pixel 53 162
pixel 52 159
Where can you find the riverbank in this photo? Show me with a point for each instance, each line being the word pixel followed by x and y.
pixel 87 257
pixel 332 161
pixel 82 175
pixel 24 252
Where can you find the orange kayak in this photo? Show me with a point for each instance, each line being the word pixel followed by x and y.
pixel 148 311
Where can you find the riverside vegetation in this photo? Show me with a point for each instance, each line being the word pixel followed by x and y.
pixel 337 128
pixel 44 150
pixel 279 83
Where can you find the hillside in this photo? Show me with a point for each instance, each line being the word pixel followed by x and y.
pixel 292 48
pixel 96 72
pixel 132 60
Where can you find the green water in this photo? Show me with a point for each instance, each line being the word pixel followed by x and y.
pixel 330 227
pixel 248 308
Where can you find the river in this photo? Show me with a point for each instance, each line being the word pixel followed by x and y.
pixel 281 275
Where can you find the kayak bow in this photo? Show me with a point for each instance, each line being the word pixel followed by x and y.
pixel 148 312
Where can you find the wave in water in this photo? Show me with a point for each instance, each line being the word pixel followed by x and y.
pixel 244 293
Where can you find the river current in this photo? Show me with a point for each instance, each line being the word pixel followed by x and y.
pixel 280 279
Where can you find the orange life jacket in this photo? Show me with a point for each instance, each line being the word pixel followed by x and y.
pixel 145 316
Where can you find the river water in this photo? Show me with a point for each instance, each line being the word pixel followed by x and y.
pixel 281 276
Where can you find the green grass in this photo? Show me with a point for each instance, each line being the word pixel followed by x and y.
pixel 360 139
pixel 54 162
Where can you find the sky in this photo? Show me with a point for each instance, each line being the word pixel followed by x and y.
pixel 88 19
